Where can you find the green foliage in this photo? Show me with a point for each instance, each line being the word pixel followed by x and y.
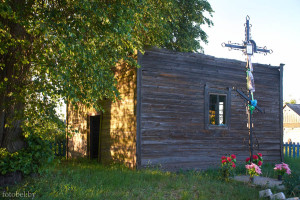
pixel 91 180
pixel 32 159
pixel 65 49
pixel 292 101
pixel 292 183
pixel 186 25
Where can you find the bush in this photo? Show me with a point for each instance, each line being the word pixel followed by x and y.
pixel 292 184
pixel 31 159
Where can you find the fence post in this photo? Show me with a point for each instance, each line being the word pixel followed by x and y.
pixel 286 149
pixel 59 148
pixel 292 149
pixel 64 148
pixel 298 147
pixel 51 145
pixel 294 153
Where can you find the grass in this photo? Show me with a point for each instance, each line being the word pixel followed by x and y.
pixel 85 179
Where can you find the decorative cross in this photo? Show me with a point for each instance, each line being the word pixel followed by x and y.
pixel 249 48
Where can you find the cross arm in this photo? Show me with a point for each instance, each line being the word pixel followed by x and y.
pixel 248 99
pixel 264 50
pixel 235 46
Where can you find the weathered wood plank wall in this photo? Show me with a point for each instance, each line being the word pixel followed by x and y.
pixel 172 130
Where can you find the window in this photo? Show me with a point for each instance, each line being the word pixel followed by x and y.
pixel 217 108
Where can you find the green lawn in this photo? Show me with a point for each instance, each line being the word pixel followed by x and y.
pixel 90 180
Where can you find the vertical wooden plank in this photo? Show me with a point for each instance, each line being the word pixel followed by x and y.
pixel 286 149
pixel 228 113
pixel 298 147
pixel 100 135
pixel 290 149
pixel 59 149
pixel 56 152
pixel 281 110
pixel 294 150
pixel 67 129
pixel 138 112
pixel 64 148
pixel 88 136
pixel 217 112
pixel 206 106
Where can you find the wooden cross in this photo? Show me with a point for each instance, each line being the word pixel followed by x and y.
pixel 249 48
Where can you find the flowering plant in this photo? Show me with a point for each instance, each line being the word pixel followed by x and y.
pixel 228 164
pixel 253 169
pixel 228 161
pixel 283 168
pixel 256 159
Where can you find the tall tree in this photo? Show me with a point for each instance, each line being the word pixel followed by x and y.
pixel 52 49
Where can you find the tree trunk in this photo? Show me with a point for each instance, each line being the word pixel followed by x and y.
pixel 13 78
pixel 11 136
pixel 11 109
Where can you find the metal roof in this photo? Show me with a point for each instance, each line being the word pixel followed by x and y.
pixel 295 108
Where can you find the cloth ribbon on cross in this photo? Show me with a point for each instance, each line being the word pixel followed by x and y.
pixel 250 78
pixel 250 84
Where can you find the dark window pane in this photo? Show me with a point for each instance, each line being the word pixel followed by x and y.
pixel 212 109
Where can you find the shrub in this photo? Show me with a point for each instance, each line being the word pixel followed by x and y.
pixel 292 184
pixel 31 159
pixel 228 165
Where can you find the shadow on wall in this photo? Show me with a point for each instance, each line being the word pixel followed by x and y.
pixel 118 131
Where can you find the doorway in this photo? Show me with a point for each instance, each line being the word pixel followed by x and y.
pixel 94 136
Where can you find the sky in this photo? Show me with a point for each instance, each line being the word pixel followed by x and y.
pixel 275 24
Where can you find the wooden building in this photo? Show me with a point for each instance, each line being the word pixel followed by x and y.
pixel 180 111
pixel 291 123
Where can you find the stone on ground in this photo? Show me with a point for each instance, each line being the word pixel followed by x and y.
pixel 278 196
pixel 260 180
pixel 265 193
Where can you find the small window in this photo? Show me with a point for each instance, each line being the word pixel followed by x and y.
pixel 217 108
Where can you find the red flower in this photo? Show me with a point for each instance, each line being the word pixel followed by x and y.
pixel 260 155
pixel 223 158
pixel 259 163
pixel 248 159
pixel 255 157
pixel 224 161
pixel 233 156
pixel 233 165
pixel 229 159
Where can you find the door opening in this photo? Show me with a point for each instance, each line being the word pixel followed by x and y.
pixel 94 136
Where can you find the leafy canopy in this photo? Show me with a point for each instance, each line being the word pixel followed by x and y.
pixel 52 49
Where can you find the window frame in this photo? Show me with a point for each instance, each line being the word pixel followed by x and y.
pixel 213 91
